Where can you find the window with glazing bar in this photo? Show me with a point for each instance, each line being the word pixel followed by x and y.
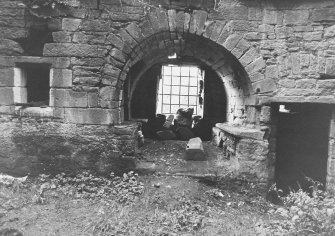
pixel 180 86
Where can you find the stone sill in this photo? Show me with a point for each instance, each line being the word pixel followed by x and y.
pixel 34 111
pixel 241 132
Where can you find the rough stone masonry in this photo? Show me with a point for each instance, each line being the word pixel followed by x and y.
pixel 266 52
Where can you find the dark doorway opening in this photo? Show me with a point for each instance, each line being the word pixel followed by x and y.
pixel 302 145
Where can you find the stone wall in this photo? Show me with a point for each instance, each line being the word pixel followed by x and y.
pixel 45 145
pixel 264 51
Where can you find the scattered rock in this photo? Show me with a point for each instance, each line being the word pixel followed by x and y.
pixel 10 232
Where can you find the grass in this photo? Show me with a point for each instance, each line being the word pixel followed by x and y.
pixel 153 205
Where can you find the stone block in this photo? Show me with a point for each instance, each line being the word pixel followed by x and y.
pixel 60 62
pixel 331 142
pixel 89 38
pixel 90 62
pixel 180 19
pixel 331 167
pixel 296 17
pixel 242 25
pixel 330 185
pixel 325 14
pixel 87 80
pixel 195 150
pixel 95 25
pixel 330 32
pixel 6 77
pixel 10 48
pixel 154 20
pixel 6 96
pixel 286 83
pixel 241 47
pixel 265 116
pixel 217 29
pixel 89 3
pixel 60 78
pixel 253 36
pixel 232 41
pixel 91 116
pixel 172 19
pixel 135 32
pixel 110 70
pixel 326 84
pixel 198 22
pixel 209 27
pixel 118 55
pixel 257 76
pixel 265 86
pixel 249 56
pixel 248 149
pixel 108 93
pixel 20 94
pixel 68 98
pixel 217 136
pixel 163 21
pixel 256 66
pixel 14 32
pixel 295 59
pixel 187 22
pixel 306 83
pixel 7 109
pixel 62 37
pixel 330 67
pixel 273 17
pixel 74 50
pixel 271 72
pixel 71 24
pixel 241 132
pixel 313 36
pixel 224 34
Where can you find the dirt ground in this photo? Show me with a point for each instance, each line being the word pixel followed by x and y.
pixel 171 204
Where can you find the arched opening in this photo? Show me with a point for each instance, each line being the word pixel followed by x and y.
pixel 226 84
pixel 157 93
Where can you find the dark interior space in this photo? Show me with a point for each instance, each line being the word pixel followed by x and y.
pixel 34 43
pixel 143 103
pixel 37 76
pixel 302 146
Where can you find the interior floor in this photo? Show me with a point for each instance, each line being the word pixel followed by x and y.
pixel 168 157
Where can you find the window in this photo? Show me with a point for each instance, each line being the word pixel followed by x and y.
pixel 31 84
pixel 180 87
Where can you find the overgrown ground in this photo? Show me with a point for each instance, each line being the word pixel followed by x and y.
pixel 160 204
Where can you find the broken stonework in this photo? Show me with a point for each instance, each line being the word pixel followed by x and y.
pixel 195 150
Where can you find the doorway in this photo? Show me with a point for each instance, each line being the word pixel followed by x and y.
pixel 302 145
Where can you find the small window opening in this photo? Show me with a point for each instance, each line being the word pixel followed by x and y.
pixel 32 85
pixel 180 86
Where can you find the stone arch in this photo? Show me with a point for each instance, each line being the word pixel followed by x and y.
pixel 229 54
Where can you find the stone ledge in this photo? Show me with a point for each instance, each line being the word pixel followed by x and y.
pixel 241 132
